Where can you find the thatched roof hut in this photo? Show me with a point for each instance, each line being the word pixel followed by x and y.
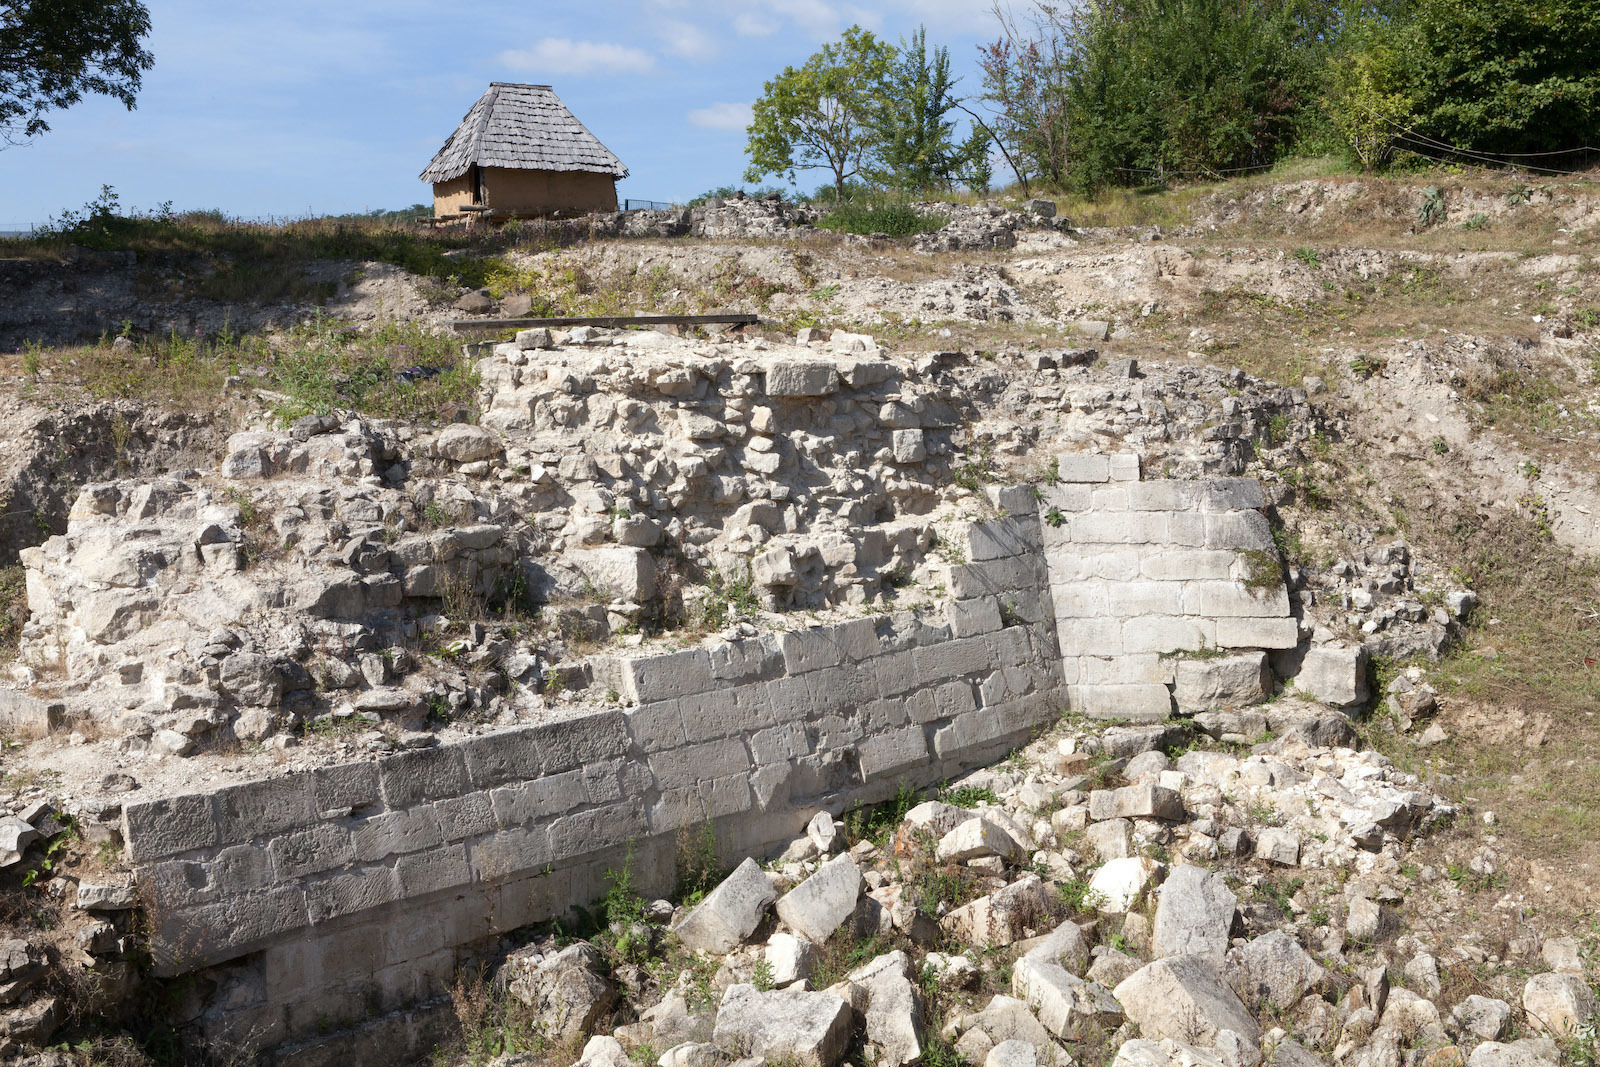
pixel 519 152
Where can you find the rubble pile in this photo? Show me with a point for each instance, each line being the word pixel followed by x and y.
pixel 1145 896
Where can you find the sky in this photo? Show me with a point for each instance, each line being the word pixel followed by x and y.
pixel 298 107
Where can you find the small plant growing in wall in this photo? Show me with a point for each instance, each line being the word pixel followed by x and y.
pixel 1262 573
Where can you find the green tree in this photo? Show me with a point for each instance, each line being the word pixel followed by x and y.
pixel 822 115
pixel 916 149
pixel 52 52
pixel 1371 87
pixel 1506 76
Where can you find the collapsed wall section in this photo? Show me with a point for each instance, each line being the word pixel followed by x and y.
pixel 323 898
pixel 1163 590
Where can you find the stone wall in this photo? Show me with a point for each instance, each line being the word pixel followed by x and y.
pixel 1161 589
pixel 318 900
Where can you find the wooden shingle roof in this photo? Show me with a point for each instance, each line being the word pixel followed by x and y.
pixel 524 127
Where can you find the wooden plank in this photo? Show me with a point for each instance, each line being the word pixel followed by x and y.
pixel 734 319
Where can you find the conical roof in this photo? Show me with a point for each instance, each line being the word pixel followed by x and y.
pixel 524 127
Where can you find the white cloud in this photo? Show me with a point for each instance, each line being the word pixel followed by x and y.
pixel 559 55
pixel 689 41
pixel 722 116
pixel 749 24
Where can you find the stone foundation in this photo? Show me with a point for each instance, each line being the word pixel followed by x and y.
pixel 317 901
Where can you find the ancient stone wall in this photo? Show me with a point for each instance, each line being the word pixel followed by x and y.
pixel 1161 589
pixel 360 889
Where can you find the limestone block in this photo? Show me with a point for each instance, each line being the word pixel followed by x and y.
pixel 801 377
pixel 565 991
pixel 791 958
pixel 1231 494
pixel 539 337
pixel 15 837
pixel 1187 564
pixel 1334 675
pixel 1071 467
pixel 1119 882
pixel 1161 494
pixel 1013 1052
pixel 806 1029
pixel 1558 1004
pixel 1184 998
pixel 977 837
pixel 1065 946
pixel 1144 598
pixel 1238 530
pixel 1140 702
pixel 1110 839
pixel 252 679
pixel 1483 1017
pixel 1228 681
pixel 622 573
pixel 1278 846
pixel 1064 1002
pixel 1119 527
pixel 1233 599
pixel 1003 917
pixel 1142 800
pixel 968 618
pixel 908 447
pixel 815 908
pixel 409 778
pixel 1166 634
pixel 1194 914
pixel 883 991
pixel 648 679
pixel 1124 466
pixel 729 913
pixel 1257 633
pixel 464 443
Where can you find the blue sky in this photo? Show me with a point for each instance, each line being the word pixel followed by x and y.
pixel 298 107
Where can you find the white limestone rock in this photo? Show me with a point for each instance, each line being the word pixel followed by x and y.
pixel 730 912
pixel 815 908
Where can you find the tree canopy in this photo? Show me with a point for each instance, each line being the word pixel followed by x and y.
pixel 53 52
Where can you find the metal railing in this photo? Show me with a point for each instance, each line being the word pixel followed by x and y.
pixel 647 205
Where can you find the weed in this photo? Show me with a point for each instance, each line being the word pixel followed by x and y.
pixel 1078 896
pixel 969 796
pixel 1440 446
pixel 699 869
pixel 762 976
pixel 1433 207
pixel 1309 256
pixel 876 822
pixel 727 599
pixel 1054 517
pixel 1477 222
pixel 1279 893
pixel 1263 571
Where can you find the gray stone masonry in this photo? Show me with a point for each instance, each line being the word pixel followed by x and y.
pixel 1143 572
pixel 360 888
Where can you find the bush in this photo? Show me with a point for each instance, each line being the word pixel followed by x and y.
pixel 881 214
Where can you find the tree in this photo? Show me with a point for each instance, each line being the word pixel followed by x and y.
pixel 821 115
pixel 52 52
pixel 1370 93
pixel 915 146
pixel 1509 76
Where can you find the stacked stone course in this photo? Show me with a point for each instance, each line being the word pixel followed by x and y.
pixel 1144 572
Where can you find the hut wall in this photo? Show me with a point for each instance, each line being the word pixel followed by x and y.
pixel 451 196
pixel 541 191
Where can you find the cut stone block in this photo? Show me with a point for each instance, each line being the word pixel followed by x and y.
pixel 729 913
pixel 1184 998
pixel 977 837
pixel 1257 633
pixel 1147 702
pixel 1119 882
pixel 806 1029
pixel 1228 681
pixel 801 377
pixel 1194 914
pixel 815 908
pixel 1082 468
pixel 1333 675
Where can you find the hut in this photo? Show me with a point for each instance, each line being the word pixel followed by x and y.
pixel 521 153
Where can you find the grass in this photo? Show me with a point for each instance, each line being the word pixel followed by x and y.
pixel 246 254
pixel 320 368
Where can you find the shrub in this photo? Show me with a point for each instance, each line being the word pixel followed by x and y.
pixel 881 213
